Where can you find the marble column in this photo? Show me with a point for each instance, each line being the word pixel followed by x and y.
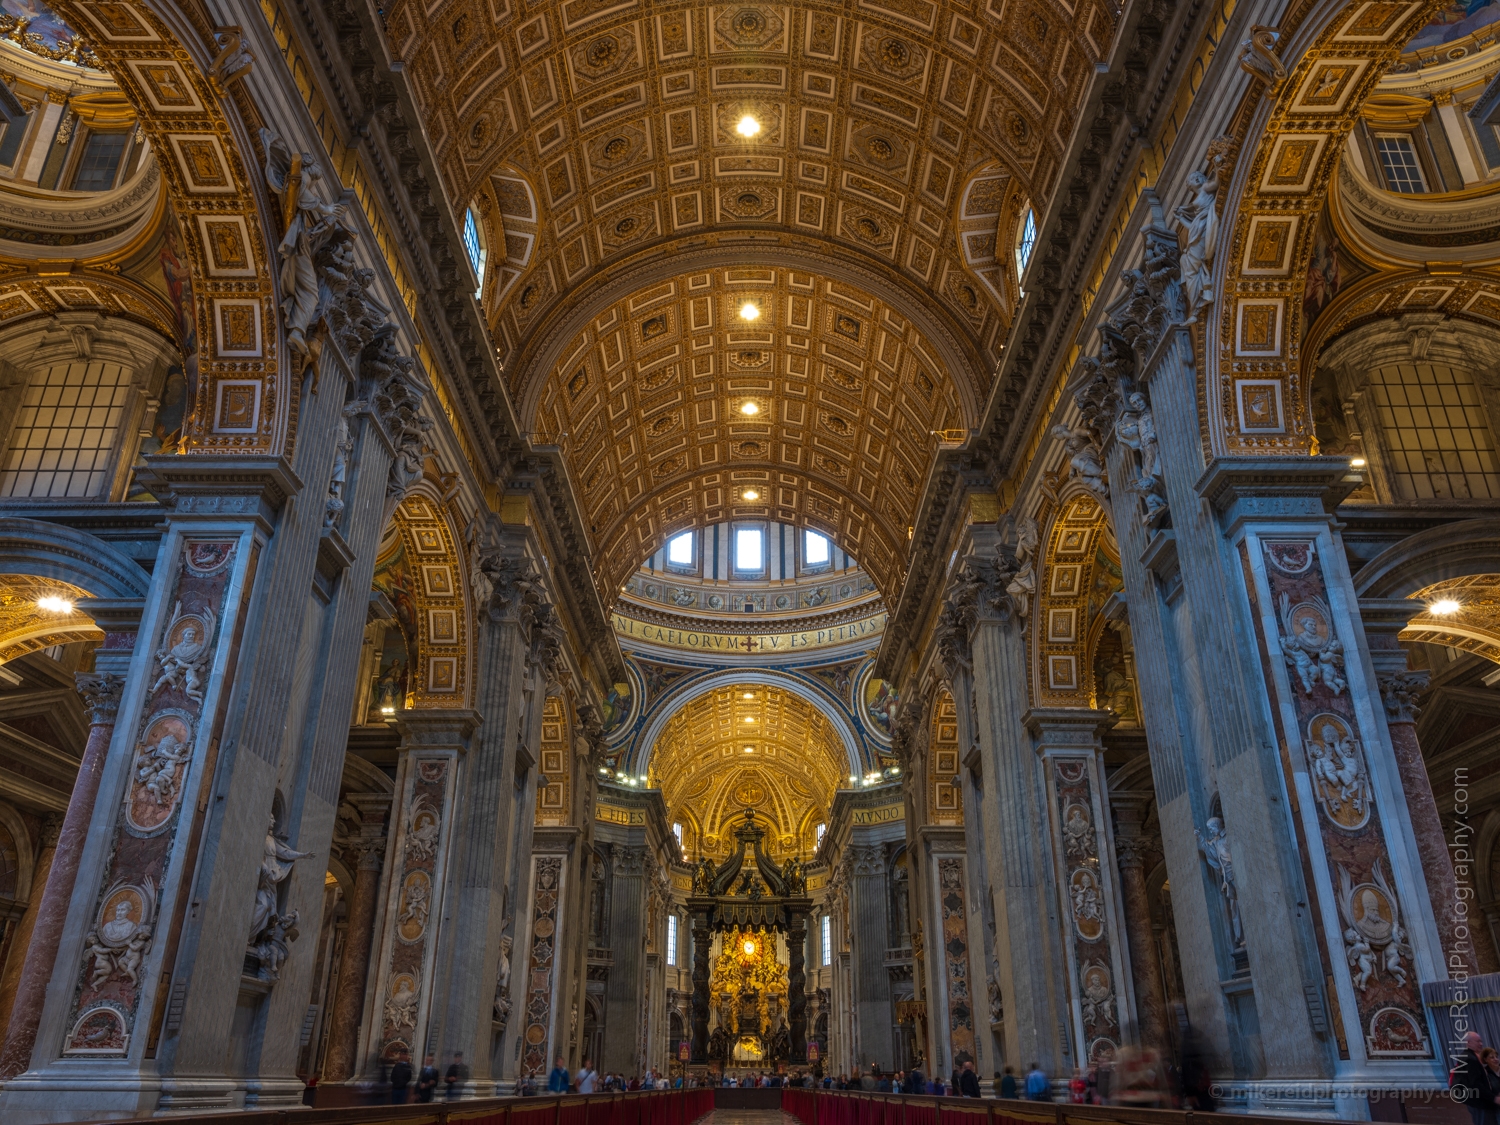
pixel 510 623
pixel 101 692
pixel 1145 965
pixel 1466 938
pixel 699 1018
pixel 623 990
pixel 796 944
pixel 20 937
pixel 339 1063
pixel 1028 931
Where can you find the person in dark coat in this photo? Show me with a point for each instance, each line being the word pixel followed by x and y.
pixel 427 1080
pixel 1472 1085
pixel 401 1077
pixel 916 1081
pixel 968 1081
pixel 1007 1083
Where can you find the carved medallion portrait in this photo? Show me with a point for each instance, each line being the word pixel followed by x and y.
pixel 1335 763
pixel 157 772
pixel 1087 901
pixel 415 906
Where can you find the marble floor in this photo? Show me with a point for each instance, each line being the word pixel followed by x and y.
pixel 748 1117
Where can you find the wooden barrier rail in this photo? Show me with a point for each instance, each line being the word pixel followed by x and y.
pixel 643 1107
pixel 850 1107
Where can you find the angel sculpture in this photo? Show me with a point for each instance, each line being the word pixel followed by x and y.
pixel 1083 456
pixel 157 773
pixel 1198 218
pixel 310 224
pixel 183 663
pixel 1361 958
pixel 703 876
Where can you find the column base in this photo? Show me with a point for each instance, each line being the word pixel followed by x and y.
pixel 1341 1100
pixel 266 1093
pixel 88 1092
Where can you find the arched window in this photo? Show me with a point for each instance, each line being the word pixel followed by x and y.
pixel 1025 241
pixel 475 247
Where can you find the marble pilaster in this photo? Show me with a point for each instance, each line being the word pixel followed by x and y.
pixel 340 1062
pixel 1466 939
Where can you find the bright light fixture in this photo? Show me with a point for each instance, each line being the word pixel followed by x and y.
pixel 750 408
pixel 749 949
pixel 387 710
pixel 749 718
pixel 1357 463
pixel 749 494
pixel 54 605
pixel 749 311
pixel 748 126
pixel 1444 607
pixel 749 695
pixel 749 749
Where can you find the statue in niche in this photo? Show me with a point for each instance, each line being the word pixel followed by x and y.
pixel 596 898
pixel 997 998
pixel 901 902
pixel 1198 220
pixel 1215 848
pixel 502 982
pixel 270 930
pixel 795 875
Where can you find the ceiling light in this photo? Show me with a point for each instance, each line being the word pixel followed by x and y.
pixel 54 605
pixel 749 695
pixel 749 311
pixel 749 718
pixel 749 494
pixel 751 408
pixel 748 126
pixel 604 770
pixel 749 749
pixel 1444 608
pixel 854 779
pixel 1357 463
pixel 388 709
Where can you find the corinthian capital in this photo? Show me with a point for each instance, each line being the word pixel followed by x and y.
pixel 1399 691
pixel 101 695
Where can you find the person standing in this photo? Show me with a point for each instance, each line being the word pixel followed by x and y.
pixel 453 1080
pixel 1007 1082
pixel 1038 1089
pixel 557 1081
pixel 427 1080
pixel 968 1081
pixel 1472 1085
pixel 588 1078
pixel 916 1082
pixel 401 1077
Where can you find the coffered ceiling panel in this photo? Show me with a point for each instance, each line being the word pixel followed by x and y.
pixel 871 122
pixel 788 774
pixel 675 411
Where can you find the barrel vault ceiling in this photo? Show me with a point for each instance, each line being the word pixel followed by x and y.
pixel 598 144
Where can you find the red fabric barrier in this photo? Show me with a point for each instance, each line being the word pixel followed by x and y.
pixel 921 1112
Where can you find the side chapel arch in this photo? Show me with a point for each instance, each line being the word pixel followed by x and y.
pixel 244 401
pixel 1080 573
pixel 1279 183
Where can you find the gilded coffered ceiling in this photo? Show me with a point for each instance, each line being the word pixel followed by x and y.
pixel 603 127
pixel 675 411
pixel 36 613
pixel 794 762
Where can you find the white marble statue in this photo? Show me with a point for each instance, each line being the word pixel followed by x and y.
pixel 1215 848
pixel 1198 219
pixel 275 866
pixel 310 224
